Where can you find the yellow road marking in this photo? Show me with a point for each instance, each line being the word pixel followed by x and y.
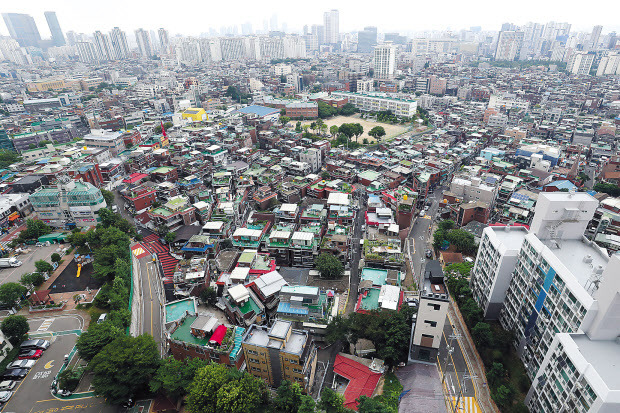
pixel 148 274
pixel 49 364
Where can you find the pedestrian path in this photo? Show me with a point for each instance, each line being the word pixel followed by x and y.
pixel 139 251
pixel 46 324
pixel 466 405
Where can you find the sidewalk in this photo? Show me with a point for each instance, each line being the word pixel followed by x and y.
pixel 474 361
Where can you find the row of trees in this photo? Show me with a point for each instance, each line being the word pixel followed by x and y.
pixel 608 188
pixel 505 373
pixel 12 293
pixel 327 111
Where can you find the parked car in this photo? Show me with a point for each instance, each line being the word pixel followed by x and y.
pixel 429 253
pixel 35 345
pixel 7 385
pixel 21 364
pixel 14 374
pixel 422 213
pixel 30 354
pixel 5 396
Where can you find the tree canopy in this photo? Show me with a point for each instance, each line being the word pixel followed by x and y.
pixel 329 266
pixel 11 293
pixel 96 338
pixel 174 377
pixel 123 368
pixel 15 327
pixel 377 132
pixel 8 158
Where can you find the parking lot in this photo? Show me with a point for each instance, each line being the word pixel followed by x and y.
pixel 28 259
pixel 32 394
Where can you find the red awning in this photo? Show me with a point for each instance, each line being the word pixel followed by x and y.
pixel 218 335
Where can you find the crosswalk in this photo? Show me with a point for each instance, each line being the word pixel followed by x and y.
pixel 46 324
pixel 139 252
pixel 467 405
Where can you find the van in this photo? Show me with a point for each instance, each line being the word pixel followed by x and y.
pixel 102 318
pixel 35 345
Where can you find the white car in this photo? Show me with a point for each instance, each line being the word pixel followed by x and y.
pixel 21 364
pixel 5 396
pixel 7 385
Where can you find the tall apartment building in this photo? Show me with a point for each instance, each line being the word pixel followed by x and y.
pixel 609 65
pixel 143 39
pixel 118 38
pixel 331 22
pixel 578 372
pixel 58 39
pixel 595 35
pixel 164 39
pixel 104 46
pixel 279 353
pixel 366 39
pixel 545 281
pixel 87 52
pixel 580 63
pixel 385 61
pixel 509 45
pixel 22 28
pixel 68 202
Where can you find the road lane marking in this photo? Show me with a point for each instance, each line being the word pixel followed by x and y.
pixel 148 274
pixel 49 364
pixel 46 325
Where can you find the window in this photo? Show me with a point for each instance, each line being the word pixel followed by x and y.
pixel 430 323
pixel 436 307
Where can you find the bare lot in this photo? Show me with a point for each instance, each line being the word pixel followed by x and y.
pixel 390 130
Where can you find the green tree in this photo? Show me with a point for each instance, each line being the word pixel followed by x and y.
pixel 226 244
pixel 307 405
pixel 496 374
pixel 337 329
pixel 471 312
pixel 43 266
pixel 377 132
pixel 246 394
pixel 298 128
pixel 32 279
pixel 123 368
pixel 55 257
pixel 209 296
pixel 329 266
pixel 504 395
pixel 8 158
pixel 98 335
pixel 44 143
pixel 331 402
pixel 482 335
pixel 34 229
pixel 608 188
pixel 365 141
pixel 358 130
pixel 288 397
pixel 203 390
pixel 333 130
pixel 347 129
pixel 373 405
pixel 109 197
pixel 284 120
pixel 462 240
pixel 174 377
pixel 70 378
pixel 169 238
pixel 233 93
pixel 11 293
pixel 15 327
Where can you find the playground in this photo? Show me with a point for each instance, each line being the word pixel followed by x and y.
pixel 390 129
pixel 68 281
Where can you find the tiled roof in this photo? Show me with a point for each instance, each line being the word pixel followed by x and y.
pixel 362 381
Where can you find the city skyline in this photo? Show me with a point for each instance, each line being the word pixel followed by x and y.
pixel 351 18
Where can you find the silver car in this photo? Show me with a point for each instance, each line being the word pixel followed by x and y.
pixel 5 396
pixel 21 364
pixel 7 385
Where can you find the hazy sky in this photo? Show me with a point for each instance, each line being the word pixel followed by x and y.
pixel 195 17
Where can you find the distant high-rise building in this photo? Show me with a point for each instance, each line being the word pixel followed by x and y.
pixel 23 29
pixel 87 52
pixel 246 28
pixel 118 38
pixel 144 43
pixel 366 39
pixel 331 21
pixel 273 22
pixel 164 39
pixel 105 51
pixel 319 32
pixel 71 38
pixel 580 63
pixel 385 61
pixel 58 39
pixel 509 45
pixel 594 37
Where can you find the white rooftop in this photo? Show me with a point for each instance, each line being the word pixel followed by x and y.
pixel 302 236
pixel 240 273
pixel 213 225
pixel 270 283
pixel 338 198
pixel 288 207
pixel 247 232
pixel 389 297
pixel 239 293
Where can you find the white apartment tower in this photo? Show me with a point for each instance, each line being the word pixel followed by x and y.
pixel 331 22
pixel 385 61
pixel 164 39
pixel 595 35
pixel 104 46
pixel 143 39
pixel 509 45
pixel 118 38
pixel 580 63
pixel 546 280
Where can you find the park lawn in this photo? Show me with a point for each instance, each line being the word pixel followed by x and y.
pixel 390 130
pixel 391 390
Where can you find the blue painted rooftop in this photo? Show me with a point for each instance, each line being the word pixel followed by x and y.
pixel 259 110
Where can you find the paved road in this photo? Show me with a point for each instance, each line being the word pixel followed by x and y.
pixel 35 254
pixel 419 235
pixel 151 299
pixel 33 392
pixel 453 365
pixel 356 254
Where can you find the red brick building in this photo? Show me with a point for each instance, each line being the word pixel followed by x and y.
pixel 306 110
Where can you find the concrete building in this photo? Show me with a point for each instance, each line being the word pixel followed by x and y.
pixel 143 39
pixel 473 189
pixel 101 138
pixel 58 39
pixel 385 61
pixel 22 28
pixel 509 45
pixel 331 22
pixel 580 63
pixel 279 353
pixel 375 102
pixel 68 202
pixel 118 38
pixel 366 39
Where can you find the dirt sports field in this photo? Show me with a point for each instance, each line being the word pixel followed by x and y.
pixel 390 130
